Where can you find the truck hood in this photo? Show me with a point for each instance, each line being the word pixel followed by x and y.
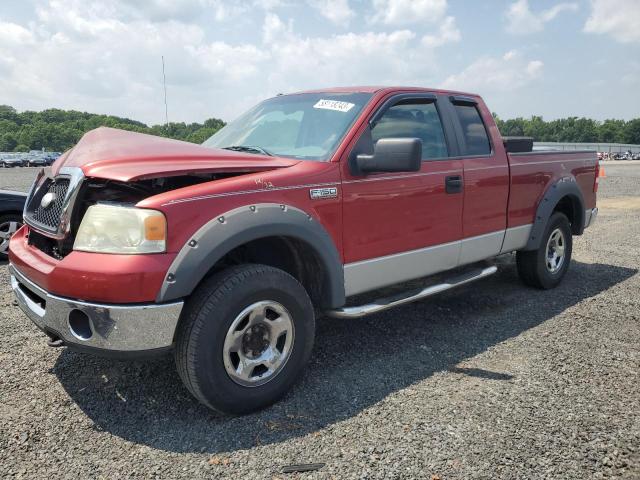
pixel 125 156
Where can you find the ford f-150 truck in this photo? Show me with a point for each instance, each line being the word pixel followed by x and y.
pixel 306 205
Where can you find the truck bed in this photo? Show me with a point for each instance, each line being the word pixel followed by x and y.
pixel 531 173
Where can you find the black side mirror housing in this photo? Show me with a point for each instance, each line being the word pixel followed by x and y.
pixel 392 155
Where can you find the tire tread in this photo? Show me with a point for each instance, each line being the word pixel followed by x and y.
pixel 200 306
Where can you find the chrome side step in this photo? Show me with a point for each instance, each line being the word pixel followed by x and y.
pixel 396 300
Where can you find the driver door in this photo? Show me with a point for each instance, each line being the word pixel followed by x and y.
pixel 403 225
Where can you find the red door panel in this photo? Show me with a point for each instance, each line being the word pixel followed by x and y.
pixel 486 192
pixel 386 213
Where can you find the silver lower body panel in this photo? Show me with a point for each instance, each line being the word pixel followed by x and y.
pixel 116 328
pixel 368 275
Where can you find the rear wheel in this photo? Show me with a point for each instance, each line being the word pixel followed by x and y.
pixel 545 267
pixel 9 224
pixel 244 338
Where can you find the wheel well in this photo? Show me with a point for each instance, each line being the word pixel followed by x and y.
pixel 294 256
pixel 570 206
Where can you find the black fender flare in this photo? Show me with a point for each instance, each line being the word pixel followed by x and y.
pixel 242 225
pixel 564 187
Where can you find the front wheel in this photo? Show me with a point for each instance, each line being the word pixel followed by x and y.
pixel 545 267
pixel 245 337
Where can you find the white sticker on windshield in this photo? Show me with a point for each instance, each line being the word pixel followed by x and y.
pixel 336 105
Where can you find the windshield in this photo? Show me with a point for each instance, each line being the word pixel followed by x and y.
pixel 308 126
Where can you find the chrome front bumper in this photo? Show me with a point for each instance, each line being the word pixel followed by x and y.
pixel 590 216
pixel 91 326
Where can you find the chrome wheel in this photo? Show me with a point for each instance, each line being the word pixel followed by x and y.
pixel 555 251
pixel 7 229
pixel 258 343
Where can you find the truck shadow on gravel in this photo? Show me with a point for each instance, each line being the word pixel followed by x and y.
pixel 355 364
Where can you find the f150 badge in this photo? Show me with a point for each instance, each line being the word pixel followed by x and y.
pixel 322 193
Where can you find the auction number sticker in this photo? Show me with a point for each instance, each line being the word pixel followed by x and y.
pixel 336 105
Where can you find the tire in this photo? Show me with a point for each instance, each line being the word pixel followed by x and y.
pixel 9 223
pixel 204 358
pixel 537 268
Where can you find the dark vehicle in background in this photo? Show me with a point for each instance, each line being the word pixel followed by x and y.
pixel 11 206
pixel 51 157
pixel 36 158
pixel 37 161
pixel 9 160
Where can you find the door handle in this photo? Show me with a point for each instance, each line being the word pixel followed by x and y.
pixel 453 184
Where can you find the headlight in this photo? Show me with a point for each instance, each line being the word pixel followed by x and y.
pixel 115 229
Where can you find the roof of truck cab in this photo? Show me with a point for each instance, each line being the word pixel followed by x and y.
pixel 380 88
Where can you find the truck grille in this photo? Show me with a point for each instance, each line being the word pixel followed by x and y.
pixel 48 216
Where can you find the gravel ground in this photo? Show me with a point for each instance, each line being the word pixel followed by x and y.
pixel 494 380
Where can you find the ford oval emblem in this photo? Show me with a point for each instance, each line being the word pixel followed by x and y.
pixel 47 200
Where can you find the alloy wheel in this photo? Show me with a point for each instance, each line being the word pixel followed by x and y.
pixel 555 251
pixel 258 343
pixel 7 229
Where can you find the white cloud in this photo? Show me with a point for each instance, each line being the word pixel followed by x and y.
pixel 521 20
pixel 447 33
pixel 12 33
pixel 228 62
pixel 104 57
pixel 492 74
pixel 274 28
pixel 346 59
pixel 405 12
pixel 338 12
pixel 618 18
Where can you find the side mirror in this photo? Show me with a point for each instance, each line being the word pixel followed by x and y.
pixel 392 155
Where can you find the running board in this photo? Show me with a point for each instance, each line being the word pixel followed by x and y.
pixel 400 299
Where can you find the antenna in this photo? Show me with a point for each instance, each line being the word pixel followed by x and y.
pixel 164 81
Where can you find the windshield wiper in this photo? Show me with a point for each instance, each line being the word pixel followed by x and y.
pixel 248 148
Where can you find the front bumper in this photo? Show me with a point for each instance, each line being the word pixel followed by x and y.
pixel 115 329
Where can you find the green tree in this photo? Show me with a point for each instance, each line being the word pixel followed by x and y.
pixel 58 130
pixel 611 131
pixel 8 142
pixel 632 132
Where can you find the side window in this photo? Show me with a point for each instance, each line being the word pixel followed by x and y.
pixel 414 120
pixel 475 135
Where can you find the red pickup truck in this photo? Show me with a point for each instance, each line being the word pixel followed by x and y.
pixel 227 252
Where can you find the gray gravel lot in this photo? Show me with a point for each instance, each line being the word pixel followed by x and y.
pixel 494 380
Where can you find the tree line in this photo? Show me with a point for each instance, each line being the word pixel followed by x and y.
pixel 572 129
pixel 58 130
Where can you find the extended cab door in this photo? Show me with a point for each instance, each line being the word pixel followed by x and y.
pixel 403 225
pixel 486 179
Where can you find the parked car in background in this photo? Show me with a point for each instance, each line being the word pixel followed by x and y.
pixel 51 157
pixel 37 160
pixel 8 160
pixel 11 207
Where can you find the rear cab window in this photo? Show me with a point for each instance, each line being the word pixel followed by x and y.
pixel 474 133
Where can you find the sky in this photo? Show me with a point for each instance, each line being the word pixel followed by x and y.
pixel 537 57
